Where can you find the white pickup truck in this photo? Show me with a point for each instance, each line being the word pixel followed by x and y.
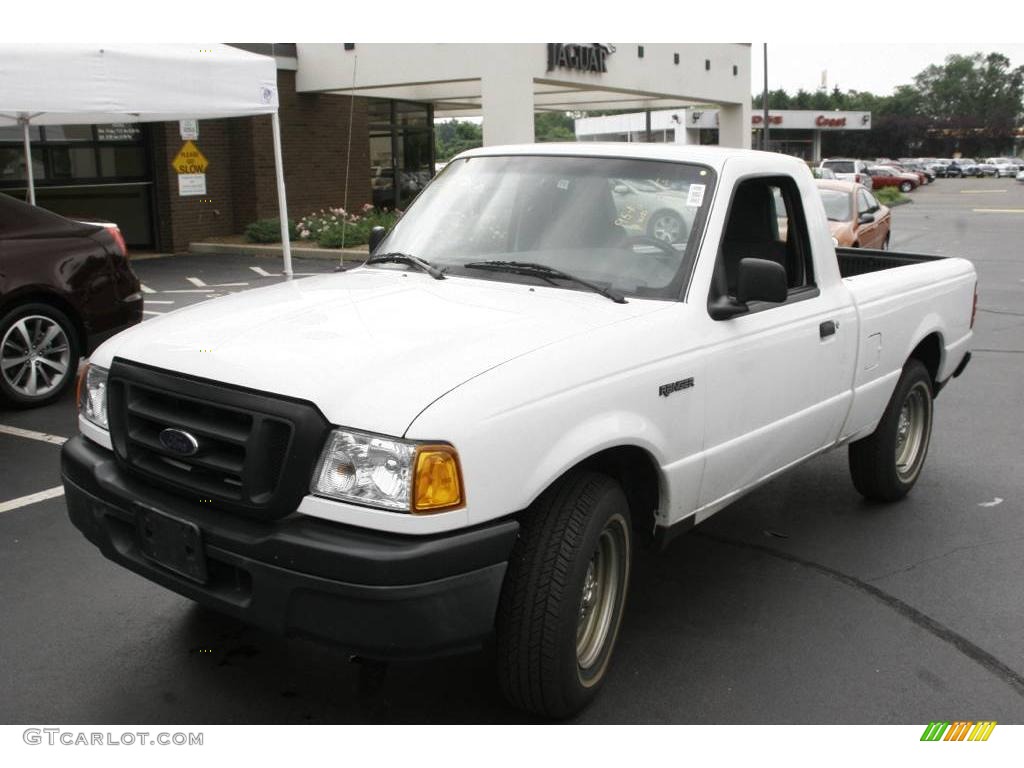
pixel 531 379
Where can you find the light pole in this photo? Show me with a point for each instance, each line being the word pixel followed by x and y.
pixel 764 103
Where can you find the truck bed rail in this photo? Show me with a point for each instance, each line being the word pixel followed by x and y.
pixel 861 261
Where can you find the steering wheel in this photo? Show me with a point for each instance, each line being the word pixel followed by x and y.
pixel 662 245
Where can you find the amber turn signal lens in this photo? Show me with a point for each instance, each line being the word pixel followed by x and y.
pixel 437 486
pixel 78 385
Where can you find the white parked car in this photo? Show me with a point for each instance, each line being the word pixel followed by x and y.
pixel 846 169
pixel 1020 176
pixel 1005 166
pixel 478 432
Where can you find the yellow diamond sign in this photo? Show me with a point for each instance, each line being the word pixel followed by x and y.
pixel 189 159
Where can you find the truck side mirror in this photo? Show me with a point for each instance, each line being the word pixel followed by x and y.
pixel 761 280
pixel 866 218
pixel 376 235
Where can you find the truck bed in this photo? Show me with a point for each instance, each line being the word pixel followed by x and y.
pixel 861 261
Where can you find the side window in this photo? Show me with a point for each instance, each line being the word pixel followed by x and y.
pixel 863 202
pixel 766 221
pixel 873 204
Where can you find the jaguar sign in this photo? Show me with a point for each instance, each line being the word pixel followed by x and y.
pixel 582 57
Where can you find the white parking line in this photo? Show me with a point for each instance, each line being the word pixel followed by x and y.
pixel 32 435
pixel 196 282
pixel 263 273
pixel 190 290
pixel 150 312
pixel 154 301
pixel 146 288
pixel 24 501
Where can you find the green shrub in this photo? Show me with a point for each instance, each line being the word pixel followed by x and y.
pixel 890 196
pixel 269 231
pixel 336 228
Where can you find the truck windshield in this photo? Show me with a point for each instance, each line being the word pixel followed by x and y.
pixel 629 225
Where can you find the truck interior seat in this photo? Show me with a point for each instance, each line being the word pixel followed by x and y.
pixel 752 231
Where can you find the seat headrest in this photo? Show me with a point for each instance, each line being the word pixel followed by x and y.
pixel 752 218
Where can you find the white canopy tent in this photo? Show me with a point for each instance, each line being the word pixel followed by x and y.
pixel 77 83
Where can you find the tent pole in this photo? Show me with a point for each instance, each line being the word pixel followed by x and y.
pixel 282 203
pixel 28 160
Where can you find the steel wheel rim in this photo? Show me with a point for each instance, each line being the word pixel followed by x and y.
pixel 601 598
pixel 35 355
pixel 666 227
pixel 912 432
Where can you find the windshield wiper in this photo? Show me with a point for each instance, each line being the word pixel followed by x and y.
pixel 544 271
pixel 397 257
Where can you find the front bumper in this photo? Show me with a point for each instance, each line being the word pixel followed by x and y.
pixel 381 595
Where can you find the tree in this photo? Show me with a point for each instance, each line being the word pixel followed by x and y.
pixel 554 126
pixel 972 103
pixel 455 136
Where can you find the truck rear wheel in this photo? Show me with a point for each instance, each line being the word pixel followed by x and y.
pixel 563 597
pixel 886 464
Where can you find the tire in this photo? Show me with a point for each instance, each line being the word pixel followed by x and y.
pixel 668 226
pixel 563 597
pixel 39 354
pixel 906 186
pixel 884 466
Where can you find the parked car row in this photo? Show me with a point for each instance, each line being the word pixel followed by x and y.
pixel 907 173
pixel 875 175
pixel 962 167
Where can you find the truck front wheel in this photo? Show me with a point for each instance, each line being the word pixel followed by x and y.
pixel 886 464
pixel 564 593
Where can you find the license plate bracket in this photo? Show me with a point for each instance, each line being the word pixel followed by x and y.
pixel 175 544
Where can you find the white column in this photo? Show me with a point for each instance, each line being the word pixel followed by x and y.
pixel 28 160
pixel 734 125
pixel 282 202
pixel 507 101
pixel 816 147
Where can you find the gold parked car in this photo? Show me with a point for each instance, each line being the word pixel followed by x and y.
pixel 855 216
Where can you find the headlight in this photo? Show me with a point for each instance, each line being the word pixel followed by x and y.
pixel 399 475
pixel 92 395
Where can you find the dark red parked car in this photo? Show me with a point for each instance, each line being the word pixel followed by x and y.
pixel 65 286
pixel 887 177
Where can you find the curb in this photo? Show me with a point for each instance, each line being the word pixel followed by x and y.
pixel 323 254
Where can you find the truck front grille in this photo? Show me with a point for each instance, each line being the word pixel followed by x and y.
pixel 253 452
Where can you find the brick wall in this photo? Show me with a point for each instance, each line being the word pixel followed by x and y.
pixel 240 179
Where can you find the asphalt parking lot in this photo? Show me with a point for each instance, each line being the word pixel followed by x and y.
pixel 801 603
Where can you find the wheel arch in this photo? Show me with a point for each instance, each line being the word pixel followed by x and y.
pixel 929 351
pixel 637 471
pixel 40 295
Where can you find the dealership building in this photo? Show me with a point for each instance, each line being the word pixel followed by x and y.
pixel 357 126
pixel 795 132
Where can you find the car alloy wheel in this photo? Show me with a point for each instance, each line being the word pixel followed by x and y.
pixel 35 356
pixel 667 226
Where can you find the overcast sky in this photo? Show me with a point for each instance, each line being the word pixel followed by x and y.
pixel 875 67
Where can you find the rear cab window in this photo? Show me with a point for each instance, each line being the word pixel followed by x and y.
pixel 840 166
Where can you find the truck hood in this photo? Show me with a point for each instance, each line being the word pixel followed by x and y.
pixel 370 347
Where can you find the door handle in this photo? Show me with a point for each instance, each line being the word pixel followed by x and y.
pixel 828 328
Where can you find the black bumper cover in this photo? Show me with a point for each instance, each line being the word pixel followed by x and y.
pixel 381 595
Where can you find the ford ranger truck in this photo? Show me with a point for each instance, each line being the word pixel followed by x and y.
pixel 531 380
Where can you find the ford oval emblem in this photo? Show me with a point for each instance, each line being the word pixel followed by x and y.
pixel 179 441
